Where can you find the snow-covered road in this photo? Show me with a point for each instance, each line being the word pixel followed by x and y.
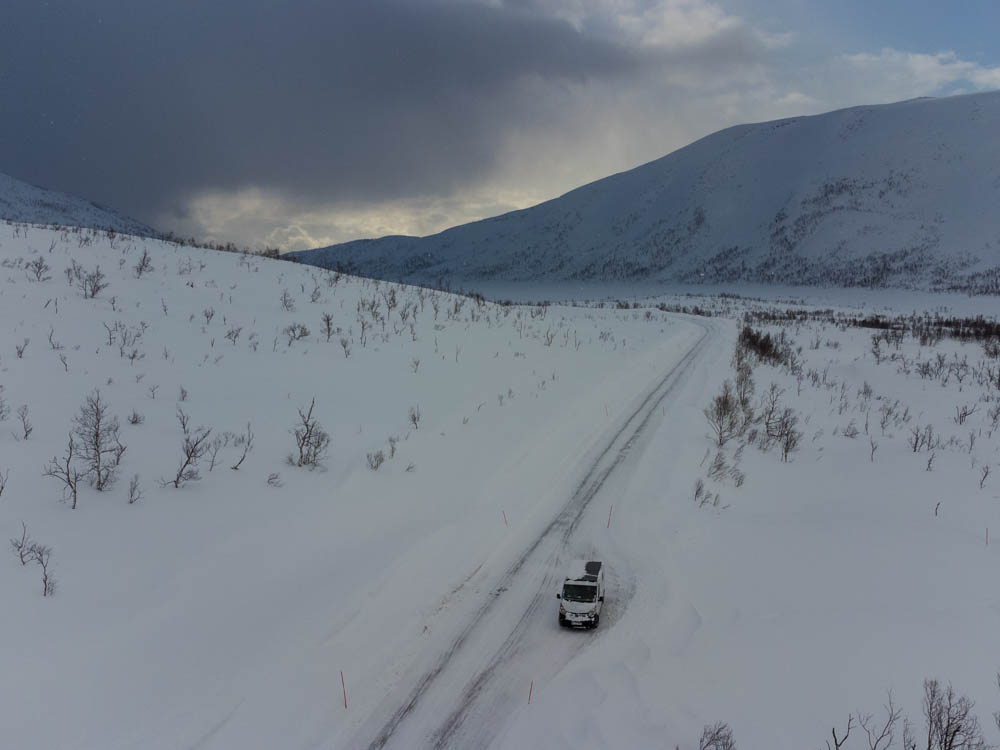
pixel 512 640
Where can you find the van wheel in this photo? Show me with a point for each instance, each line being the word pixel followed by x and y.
pixel 597 621
pixel 562 621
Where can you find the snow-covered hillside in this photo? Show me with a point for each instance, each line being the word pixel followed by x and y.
pixel 895 195
pixel 401 593
pixel 20 201
pixel 221 612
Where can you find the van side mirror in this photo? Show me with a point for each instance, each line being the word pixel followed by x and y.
pixel 558 596
pixel 600 598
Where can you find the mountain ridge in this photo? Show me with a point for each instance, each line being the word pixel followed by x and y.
pixel 23 202
pixel 899 194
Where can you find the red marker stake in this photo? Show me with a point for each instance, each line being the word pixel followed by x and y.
pixel 610 511
pixel 530 688
pixel 505 519
pixel 344 686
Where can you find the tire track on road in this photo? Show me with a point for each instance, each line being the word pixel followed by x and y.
pixel 557 534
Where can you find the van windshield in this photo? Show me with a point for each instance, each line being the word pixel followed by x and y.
pixel 575 592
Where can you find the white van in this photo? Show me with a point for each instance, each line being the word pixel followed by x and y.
pixel 582 596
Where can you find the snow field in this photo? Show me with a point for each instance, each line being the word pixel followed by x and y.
pixel 814 587
pixel 220 614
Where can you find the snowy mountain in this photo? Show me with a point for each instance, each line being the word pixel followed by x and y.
pixel 901 194
pixel 21 201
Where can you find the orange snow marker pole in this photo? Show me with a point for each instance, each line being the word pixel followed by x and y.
pixel 530 688
pixel 344 686
pixel 610 511
pixel 505 519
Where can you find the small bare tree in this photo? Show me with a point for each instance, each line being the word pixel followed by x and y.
pixel 838 742
pixel 3 480
pixel 880 735
pixel 100 448
pixel 39 269
pixel 26 426
pixel 42 555
pixel 723 415
pixel 950 723
pixel 65 471
pixel 346 346
pixel 144 265
pixel 328 328
pixel 22 545
pixel 414 416
pixel 717 736
pixel 194 445
pixel 244 441
pixel 287 301
pixel 19 349
pixel 310 439
pixel 93 283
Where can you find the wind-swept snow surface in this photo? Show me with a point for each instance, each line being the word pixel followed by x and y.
pixel 895 195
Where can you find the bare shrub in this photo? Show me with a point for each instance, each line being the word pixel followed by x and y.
pixel 136 418
pixel 723 415
pixel 295 332
pixel 144 265
pixel 22 545
pixel 4 475
pixel 718 468
pixel 311 440
pixel 65 471
pixel 414 416
pixel 97 431
pixel 244 441
pixel 880 735
pixel 328 328
pixel 26 427
pixel 949 721
pixel 984 473
pixel 717 736
pixel 39 269
pixel 287 301
pixel 93 283
pixel 135 492
pixel 42 555
pixel 194 445
pixel 375 460
pixel 274 479
pixel 346 346
pixel 19 349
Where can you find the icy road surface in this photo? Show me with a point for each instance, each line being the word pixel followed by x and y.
pixel 463 697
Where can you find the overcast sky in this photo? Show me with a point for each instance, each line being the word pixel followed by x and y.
pixel 301 124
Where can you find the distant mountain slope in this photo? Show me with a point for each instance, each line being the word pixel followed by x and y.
pixel 21 201
pixel 904 194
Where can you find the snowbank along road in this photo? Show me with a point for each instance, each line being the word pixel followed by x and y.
pixel 512 638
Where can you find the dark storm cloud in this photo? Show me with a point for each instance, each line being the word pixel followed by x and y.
pixel 140 105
